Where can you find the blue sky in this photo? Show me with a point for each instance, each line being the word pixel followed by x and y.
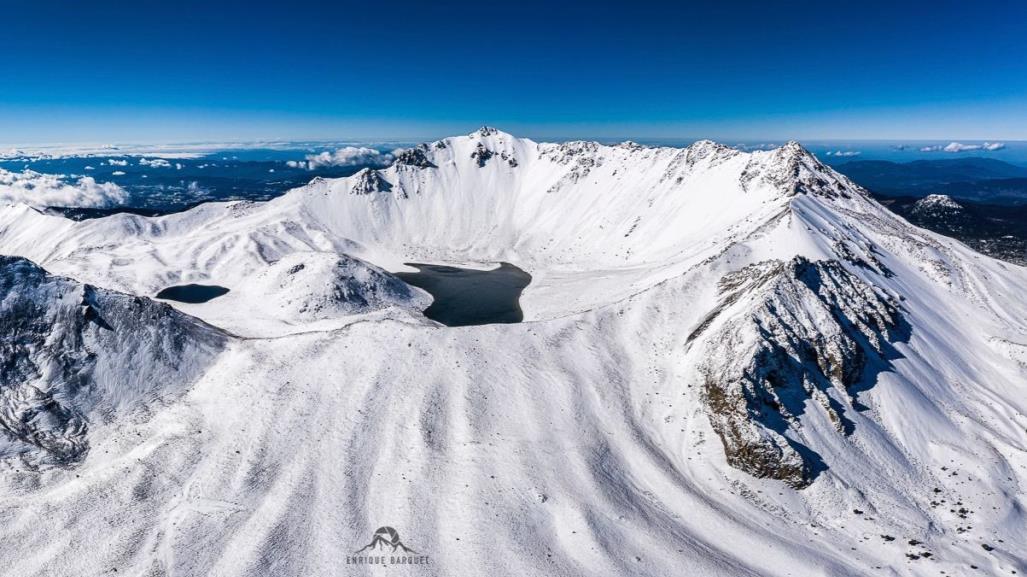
pixel 152 71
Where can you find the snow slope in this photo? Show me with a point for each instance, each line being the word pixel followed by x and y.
pixel 734 364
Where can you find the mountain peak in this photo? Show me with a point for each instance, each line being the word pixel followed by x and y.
pixel 793 149
pixel 938 201
pixel 706 148
pixel 796 170
pixel 486 131
pixel 369 181
pixel 705 143
pixel 936 205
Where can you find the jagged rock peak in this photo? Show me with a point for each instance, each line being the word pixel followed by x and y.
pixel 785 334
pixel 793 153
pixel 486 131
pixel 703 149
pixel 416 156
pixel 369 181
pixel 794 147
pixel 706 144
pixel 795 170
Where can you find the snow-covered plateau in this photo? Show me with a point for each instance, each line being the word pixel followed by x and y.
pixel 731 364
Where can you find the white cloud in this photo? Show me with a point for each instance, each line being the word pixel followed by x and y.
pixel 118 173
pixel 960 147
pixel 39 190
pixel 90 168
pixel 347 156
pixel 762 146
pixel 178 166
pixel 155 163
pixel 843 153
pixel 114 162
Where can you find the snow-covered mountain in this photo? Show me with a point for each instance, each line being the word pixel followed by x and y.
pixel 732 364
pixel 936 205
pixel 75 354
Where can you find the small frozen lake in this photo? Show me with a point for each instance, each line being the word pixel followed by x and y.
pixel 192 293
pixel 465 297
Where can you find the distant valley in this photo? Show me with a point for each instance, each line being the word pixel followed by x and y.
pixel 989 199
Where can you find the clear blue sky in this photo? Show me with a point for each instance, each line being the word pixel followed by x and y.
pixel 144 71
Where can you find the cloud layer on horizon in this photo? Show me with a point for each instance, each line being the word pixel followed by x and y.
pixel 960 147
pixel 346 156
pixel 41 190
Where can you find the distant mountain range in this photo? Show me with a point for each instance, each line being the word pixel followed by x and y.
pixel 977 179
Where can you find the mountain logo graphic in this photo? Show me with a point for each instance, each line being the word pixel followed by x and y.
pixel 386 537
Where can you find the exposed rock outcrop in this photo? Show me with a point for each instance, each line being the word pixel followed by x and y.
pixel 482 155
pixel 369 181
pixel 784 334
pixel 70 351
pixel 416 157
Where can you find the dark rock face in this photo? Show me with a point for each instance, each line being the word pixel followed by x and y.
pixel 369 182
pixel 416 157
pixel 795 332
pixel 482 155
pixel 69 351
